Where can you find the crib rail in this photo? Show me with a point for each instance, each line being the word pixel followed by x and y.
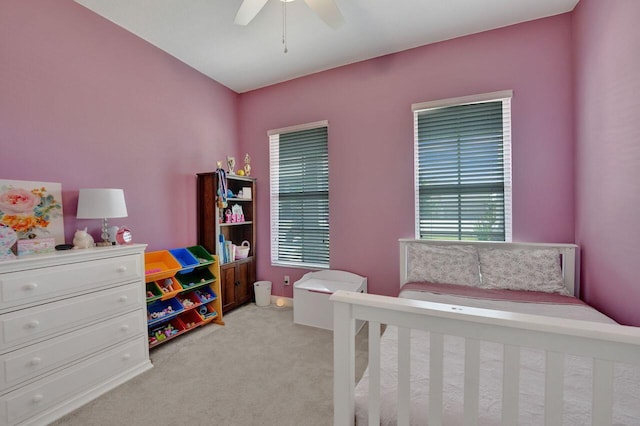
pixel 606 344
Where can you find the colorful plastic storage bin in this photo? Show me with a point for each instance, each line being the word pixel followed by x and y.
pixel 195 279
pixel 159 265
pixel 205 294
pixel 162 310
pixel 191 319
pixel 207 312
pixel 169 287
pixel 153 292
pixel 189 300
pixel 187 261
pixel 166 331
pixel 201 254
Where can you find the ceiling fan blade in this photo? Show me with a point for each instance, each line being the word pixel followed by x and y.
pixel 328 11
pixel 248 10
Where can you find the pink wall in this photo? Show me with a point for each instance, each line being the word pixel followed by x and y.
pixel 368 105
pixel 87 104
pixel 607 117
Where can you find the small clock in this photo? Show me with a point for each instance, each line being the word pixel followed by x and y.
pixel 123 236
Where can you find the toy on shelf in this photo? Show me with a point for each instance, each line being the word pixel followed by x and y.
pixel 247 165
pixel 166 311
pixel 190 300
pixel 82 239
pixel 166 286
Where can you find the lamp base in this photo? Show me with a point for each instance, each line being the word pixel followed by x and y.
pixel 105 235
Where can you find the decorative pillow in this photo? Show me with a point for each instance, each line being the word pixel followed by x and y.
pixel 522 269
pixel 443 264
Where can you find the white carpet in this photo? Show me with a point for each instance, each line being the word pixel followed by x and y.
pixel 259 369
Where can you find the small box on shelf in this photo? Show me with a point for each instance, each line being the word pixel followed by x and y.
pixel 36 246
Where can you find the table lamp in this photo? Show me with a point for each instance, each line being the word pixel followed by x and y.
pixel 101 203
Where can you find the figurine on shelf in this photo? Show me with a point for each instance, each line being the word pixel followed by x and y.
pixel 247 166
pixel 222 186
pixel 231 165
pixel 82 239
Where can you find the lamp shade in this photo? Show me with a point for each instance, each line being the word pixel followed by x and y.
pixel 101 203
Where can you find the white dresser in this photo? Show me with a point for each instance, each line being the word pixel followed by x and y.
pixel 72 327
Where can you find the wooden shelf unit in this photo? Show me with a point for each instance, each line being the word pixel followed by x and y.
pixel 237 277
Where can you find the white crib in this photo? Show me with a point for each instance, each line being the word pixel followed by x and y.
pixel 608 345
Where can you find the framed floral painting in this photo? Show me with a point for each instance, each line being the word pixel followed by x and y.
pixel 32 209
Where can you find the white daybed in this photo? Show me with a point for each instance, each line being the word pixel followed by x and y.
pixel 465 358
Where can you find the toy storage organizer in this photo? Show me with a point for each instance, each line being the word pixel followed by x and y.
pixel 182 288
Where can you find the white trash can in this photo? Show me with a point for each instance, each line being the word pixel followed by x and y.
pixel 262 290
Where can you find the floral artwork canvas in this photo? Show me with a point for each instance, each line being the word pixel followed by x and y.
pixel 32 209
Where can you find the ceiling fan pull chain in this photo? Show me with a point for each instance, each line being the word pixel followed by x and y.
pixel 284 26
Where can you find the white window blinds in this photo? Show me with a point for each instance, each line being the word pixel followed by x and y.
pixel 299 164
pixel 463 168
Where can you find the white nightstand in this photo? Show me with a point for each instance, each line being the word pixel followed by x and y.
pixel 311 305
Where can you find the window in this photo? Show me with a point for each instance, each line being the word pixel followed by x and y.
pixel 462 155
pixel 299 164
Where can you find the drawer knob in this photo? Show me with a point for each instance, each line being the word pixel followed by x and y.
pixel 33 324
pixel 125 327
pixel 37 398
pixel 31 286
pixel 123 299
pixel 122 269
pixel 35 361
pixel 126 357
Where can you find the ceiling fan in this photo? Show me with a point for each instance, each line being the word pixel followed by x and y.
pixel 327 10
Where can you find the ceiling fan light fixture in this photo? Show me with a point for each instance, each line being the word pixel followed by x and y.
pixel 327 10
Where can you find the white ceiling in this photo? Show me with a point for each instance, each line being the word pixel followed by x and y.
pixel 202 34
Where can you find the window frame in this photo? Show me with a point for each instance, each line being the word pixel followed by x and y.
pixel 274 174
pixel 505 97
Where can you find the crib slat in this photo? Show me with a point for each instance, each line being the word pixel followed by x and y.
pixel 471 381
pixel 436 367
pixel 404 368
pixel 554 388
pixel 510 384
pixel 374 373
pixel 602 392
pixel 344 354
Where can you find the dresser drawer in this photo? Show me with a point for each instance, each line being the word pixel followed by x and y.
pixel 40 322
pixel 27 363
pixel 18 288
pixel 70 383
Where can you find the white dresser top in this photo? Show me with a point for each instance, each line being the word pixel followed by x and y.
pixel 67 256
